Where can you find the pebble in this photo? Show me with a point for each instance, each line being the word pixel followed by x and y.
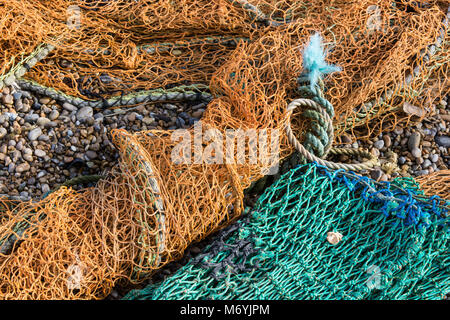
pixel 434 157
pixel 443 141
pixel 44 122
pixel 8 99
pixel 40 153
pixel 414 141
pixel 379 144
pixel 426 163
pixel 54 114
pixel 416 153
pixel 22 167
pixel 34 134
pixel 84 113
pixel 376 174
pixel 45 188
pixel 387 141
pixel 69 107
pixel 91 154
pixel 3 132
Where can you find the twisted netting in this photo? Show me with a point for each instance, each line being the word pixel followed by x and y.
pixel 392 246
pixel 389 52
pixel 78 245
pixel 436 183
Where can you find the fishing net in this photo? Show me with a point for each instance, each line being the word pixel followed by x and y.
pixel 245 58
pixel 436 183
pixel 245 51
pixel 320 234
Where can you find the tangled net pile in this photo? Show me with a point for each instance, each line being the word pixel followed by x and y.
pixel 318 234
pixel 242 56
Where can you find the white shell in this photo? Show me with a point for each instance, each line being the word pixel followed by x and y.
pixel 334 237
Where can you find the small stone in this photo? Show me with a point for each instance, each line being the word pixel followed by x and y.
pixel 379 144
pixel 416 153
pixel 68 159
pixel 398 131
pixel 45 188
pixel 84 113
pixel 148 120
pixel 45 100
pixel 44 137
pixel 443 141
pixel 3 132
pixel 43 122
pixel 434 157
pixel 34 134
pixel 387 141
pixel 91 154
pixel 8 99
pixel 54 114
pixel 27 157
pixel 426 164
pixel 375 152
pixel 376 174
pixel 22 167
pixel 131 117
pixel 69 107
pixel 414 141
pixel 30 118
pixel 40 153
pixel 198 114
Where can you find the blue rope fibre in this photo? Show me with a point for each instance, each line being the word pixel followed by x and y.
pixel 314 60
pixel 399 202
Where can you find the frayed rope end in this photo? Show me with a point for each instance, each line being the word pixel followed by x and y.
pixel 314 60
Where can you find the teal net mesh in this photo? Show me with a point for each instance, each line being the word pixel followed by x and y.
pixel 320 234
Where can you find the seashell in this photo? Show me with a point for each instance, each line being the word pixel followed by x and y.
pixel 334 237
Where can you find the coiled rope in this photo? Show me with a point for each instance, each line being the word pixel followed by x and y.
pixel 320 136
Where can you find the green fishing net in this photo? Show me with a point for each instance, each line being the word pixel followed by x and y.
pixel 321 234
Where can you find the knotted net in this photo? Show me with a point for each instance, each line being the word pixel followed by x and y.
pixel 320 234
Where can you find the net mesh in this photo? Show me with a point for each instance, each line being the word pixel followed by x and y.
pixel 245 57
pixel 436 183
pixel 316 234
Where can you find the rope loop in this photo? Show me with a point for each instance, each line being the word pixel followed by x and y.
pixel 315 140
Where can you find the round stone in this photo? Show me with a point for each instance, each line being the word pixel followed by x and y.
pixel 416 153
pixel 34 134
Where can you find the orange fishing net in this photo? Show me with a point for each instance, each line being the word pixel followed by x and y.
pixel 77 245
pixel 436 183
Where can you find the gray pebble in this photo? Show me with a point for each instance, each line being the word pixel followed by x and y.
pixel 34 134
pixel 91 154
pixel 434 157
pixel 379 144
pixel 53 115
pixel 416 153
pixel 45 188
pixel 376 174
pixel 414 141
pixel 426 164
pixel 443 141
pixel 31 118
pixel 84 113
pixel 40 153
pixel 69 107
